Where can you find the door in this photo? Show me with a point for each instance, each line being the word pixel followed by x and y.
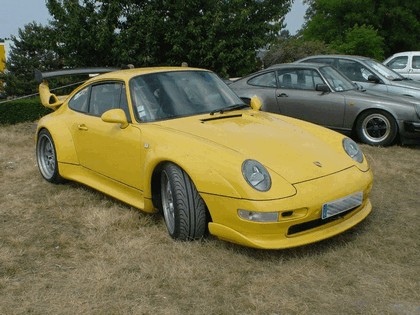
pixel 106 148
pixel 297 97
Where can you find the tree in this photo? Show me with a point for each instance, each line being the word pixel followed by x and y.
pixel 31 50
pixel 86 31
pixel 361 40
pixel 396 23
pixel 222 35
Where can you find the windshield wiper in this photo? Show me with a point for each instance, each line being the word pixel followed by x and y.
pixel 229 108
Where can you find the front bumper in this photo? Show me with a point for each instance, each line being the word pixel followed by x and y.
pixel 304 225
pixel 412 126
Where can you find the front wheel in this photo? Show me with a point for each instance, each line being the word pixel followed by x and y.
pixel 46 157
pixel 376 128
pixel 183 208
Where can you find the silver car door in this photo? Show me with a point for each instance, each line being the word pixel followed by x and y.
pixel 297 97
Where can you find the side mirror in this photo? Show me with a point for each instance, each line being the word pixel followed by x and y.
pixel 115 116
pixel 256 103
pixel 322 88
pixel 373 78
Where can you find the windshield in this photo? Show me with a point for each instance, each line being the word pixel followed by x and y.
pixel 383 70
pixel 336 80
pixel 164 95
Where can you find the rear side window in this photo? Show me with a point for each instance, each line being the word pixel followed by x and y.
pixel 416 62
pixel 265 80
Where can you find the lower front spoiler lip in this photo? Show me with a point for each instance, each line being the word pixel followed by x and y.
pixel 281 242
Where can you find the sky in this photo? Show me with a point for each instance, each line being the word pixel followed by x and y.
pixel 14 14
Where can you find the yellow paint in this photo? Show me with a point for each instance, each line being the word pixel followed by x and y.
pixel 2 57
pixel 121 158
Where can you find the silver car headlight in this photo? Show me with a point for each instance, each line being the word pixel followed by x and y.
pixel 256 175
pixel 353 150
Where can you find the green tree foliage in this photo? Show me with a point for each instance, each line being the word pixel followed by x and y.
pixel 30 50
pixel 334 21
pixel 361 40
pixel 86 31
pixel 292 48
pixel 222 35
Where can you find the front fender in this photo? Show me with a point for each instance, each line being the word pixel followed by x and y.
pixel 214 169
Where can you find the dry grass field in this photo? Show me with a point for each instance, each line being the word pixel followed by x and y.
pixel 66 249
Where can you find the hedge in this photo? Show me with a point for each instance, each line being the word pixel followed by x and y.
pixel 21 110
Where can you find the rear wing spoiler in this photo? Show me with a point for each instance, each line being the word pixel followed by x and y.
pixel 53 101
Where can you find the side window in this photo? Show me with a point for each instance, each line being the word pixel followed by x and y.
pixel 264 80
pixel 355 71
pixel 327 61
pixel 398 62
pixel 79 101
pixel 106 96
pixel 416 62
pixel 299 79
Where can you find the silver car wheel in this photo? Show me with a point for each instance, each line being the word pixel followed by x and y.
pixel 376 127
pixel 168 204
pixel 46 156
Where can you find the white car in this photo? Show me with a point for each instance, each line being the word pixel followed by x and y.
pixel 406 63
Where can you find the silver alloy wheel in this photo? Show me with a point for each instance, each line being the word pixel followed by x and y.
pixel 46 156
pixel 168 204
pixel 376 127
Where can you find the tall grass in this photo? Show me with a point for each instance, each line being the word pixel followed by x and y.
pixel 66 249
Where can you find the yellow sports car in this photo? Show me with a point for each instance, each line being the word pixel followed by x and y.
pixel 179 141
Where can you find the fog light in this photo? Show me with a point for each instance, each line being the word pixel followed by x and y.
pixel 258 216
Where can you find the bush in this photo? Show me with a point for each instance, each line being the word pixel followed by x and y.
pixel 21 110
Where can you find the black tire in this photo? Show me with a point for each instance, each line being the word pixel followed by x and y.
pixel 377 128
pixel 46 157
pixel 183 208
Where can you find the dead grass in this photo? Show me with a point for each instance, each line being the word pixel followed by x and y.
pixel 67 249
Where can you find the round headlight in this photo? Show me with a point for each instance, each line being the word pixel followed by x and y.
pixel 353 150
pixel 256 175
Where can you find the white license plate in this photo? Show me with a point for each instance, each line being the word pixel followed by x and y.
pixel 332 208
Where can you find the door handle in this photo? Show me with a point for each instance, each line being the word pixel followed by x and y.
pixel 82 127
pixel 282 95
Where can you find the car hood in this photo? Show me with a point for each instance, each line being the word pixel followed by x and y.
pixel 412 84
pixel 297 154
pixel 379 97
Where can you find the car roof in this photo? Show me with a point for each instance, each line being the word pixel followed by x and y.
pixel 337 56
pixel 127 74
pixel 297 65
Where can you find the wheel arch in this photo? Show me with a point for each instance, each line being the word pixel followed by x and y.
pixel 63 141
pixel 155 185
pixel 375 109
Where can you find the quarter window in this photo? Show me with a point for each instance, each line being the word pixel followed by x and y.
pixel 265 80
pixel 79 102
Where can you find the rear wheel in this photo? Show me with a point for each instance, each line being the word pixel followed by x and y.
pixel 46 157
pixel 183 208
pixel 377 128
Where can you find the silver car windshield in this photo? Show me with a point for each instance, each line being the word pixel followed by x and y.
pixel 384 71
pixel 165 95
pixel 336 80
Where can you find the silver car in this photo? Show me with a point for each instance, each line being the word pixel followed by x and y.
pixel 320 94
pixel 370 74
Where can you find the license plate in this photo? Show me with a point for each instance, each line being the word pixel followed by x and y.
pixel 341 205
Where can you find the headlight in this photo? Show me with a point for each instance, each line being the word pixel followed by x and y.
pixel 256 175
pixel 353 150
